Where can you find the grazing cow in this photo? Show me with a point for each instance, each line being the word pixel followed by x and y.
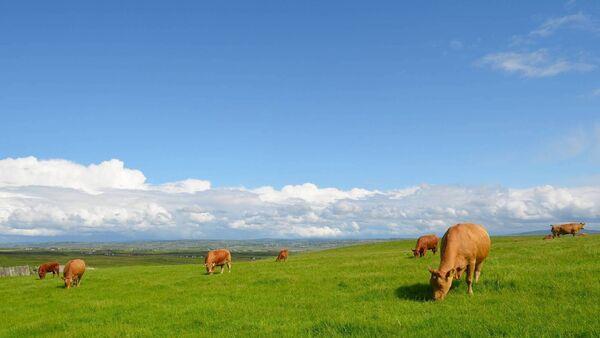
pixel 48 267
pixel 464 247
pixel 283 255
pixel 566 229
pixel 73 272
pixel 424 243
pixel 548 237
pixel 219 257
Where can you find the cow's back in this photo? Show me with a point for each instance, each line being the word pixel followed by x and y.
pixel 467 240
pixel 75 267
pixel 427 241
pixel 219 256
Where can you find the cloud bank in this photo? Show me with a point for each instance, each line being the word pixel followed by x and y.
pixel 57 199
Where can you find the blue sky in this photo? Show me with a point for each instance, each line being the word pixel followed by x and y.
pixel 340 93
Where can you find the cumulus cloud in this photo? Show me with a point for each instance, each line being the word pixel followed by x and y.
pixel 189 186
pixel 29 171
pixel 309 192
pixel 72 207
pixel 533 64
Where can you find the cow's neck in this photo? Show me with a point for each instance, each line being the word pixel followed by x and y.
pixel 449 256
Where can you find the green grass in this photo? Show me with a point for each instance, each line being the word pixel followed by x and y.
pixel 528 287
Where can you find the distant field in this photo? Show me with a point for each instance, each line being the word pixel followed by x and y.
pixel 34 258
pixel 528 287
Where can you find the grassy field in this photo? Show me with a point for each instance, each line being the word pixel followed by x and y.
pixel 528 287
pixel 35 258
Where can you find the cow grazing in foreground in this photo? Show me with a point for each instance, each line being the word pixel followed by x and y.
pixel 45 268
pixel 73 272
pixel 219 257
pixel 424 243
pixel 464 247
pixel 283 255
pixel 566 229
pixel 548 237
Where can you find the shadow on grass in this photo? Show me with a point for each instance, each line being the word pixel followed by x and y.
pixel 419 292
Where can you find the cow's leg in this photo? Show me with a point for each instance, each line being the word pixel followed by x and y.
pixel 228 266
pixel 477 270
pixel 222 268
pixel 470 274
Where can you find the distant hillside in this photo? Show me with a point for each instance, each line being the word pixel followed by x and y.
pixel 258 245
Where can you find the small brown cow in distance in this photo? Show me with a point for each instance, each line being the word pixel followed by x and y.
pixel 566 229
pixel 424 243
pixel 45 268
pixel 73 272
pixel 283 255
pixel 548 237
pixel 464 247
pixel 219 257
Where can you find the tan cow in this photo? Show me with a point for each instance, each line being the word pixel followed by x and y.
pixel 283 255
pixel 464 247
pixel 219 257
pixel 424 243
pixel 566 229
pixel 73 272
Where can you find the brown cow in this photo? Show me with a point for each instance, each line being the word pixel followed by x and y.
pixel 283 255
pixel 548 237
pixel 424 243
pixel 73 272
pixel 566 229
pixel 48 267
pixel 219 257
pixel 464 247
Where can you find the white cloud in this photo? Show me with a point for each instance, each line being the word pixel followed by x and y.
pixel 551 25
pixel 533 64
pixel 189 186
pixel 153 211
pixel 30 171
pixel 309 192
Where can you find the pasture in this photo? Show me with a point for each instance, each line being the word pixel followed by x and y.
pixel 528 287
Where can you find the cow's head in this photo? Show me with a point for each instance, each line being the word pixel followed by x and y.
pixel 209 267
pixel 582 224
pixel 68 281
pixel 415 252
pixel 441 282
pixel 41 273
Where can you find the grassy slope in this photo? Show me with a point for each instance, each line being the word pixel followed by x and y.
pixel 528 287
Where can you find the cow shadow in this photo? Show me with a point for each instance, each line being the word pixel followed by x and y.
pixel 419 292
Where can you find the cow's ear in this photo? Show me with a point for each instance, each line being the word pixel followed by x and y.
pixel 432 271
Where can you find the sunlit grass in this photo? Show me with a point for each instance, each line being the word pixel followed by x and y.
pixel 528 287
